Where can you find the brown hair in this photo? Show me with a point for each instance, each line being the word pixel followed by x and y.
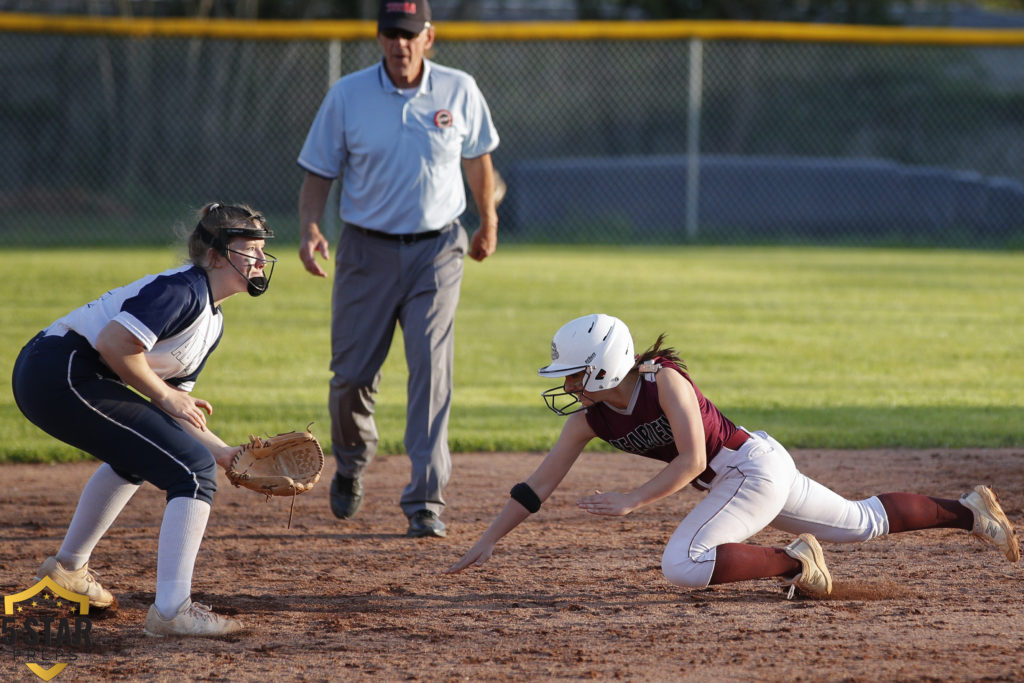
pixel 657 351
pixel 214 218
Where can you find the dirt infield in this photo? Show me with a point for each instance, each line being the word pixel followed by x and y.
pixel 566 596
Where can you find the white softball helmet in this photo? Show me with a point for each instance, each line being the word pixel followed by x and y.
pixel 597 344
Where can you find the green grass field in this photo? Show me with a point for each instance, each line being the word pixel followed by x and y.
pixel 845 348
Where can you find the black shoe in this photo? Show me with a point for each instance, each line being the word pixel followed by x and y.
pixel 425 523
pixel 346 496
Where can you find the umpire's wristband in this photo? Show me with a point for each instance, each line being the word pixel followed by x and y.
pixel 525 496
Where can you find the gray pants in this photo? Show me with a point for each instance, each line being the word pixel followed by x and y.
pixel 378 283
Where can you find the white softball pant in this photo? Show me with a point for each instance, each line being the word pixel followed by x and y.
pixel 755 487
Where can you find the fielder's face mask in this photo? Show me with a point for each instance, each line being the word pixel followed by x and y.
pixel 257 284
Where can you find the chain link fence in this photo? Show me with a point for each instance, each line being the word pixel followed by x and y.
pixel 113 138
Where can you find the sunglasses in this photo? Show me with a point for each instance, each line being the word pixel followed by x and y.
pixel 396 33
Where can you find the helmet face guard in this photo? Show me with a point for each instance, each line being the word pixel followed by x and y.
pixel 562 402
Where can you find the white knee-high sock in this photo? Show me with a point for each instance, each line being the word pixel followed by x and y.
pixel 180 535
pixel 102 500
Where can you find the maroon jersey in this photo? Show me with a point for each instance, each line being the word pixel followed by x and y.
pixel 643 427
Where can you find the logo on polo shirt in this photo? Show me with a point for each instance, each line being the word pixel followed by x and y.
pixel 443 119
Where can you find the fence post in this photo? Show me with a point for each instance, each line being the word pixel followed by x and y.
pixel 693 111
pixel 331 219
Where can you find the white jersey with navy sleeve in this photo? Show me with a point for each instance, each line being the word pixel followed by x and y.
pixel 171 313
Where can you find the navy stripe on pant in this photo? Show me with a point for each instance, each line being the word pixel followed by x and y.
pixel 63 387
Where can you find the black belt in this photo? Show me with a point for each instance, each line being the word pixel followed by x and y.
pixel 407 238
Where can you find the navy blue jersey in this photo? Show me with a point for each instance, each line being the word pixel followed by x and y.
pixel 171 313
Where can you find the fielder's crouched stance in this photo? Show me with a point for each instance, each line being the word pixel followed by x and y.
pixel 650 406
pixel 75 381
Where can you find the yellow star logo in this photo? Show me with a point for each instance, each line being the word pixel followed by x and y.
pixel 49 591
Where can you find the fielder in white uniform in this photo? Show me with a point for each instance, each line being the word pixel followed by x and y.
pixel 649 405
pixel 81 378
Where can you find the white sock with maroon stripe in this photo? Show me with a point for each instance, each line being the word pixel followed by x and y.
pixel 102 500
pixel 180 535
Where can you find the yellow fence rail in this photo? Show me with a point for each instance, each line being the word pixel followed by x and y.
pixel 511 31
pixel 615 132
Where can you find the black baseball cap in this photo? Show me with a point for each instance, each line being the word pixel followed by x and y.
pixel 412 16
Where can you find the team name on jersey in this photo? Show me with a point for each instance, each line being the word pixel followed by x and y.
pixel 645 437
pixel 192 345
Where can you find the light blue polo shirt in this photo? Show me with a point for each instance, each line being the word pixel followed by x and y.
pixel 400 155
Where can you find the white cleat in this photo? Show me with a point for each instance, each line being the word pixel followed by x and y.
pixel 990 522
pixel 82 581
pixel 814 578
pixel 192 619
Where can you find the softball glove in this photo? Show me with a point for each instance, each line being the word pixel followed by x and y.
pixel 283 465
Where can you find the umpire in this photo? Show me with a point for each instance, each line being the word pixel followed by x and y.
pixel 396 133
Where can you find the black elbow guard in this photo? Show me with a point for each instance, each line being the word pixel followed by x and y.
pixel 525 496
